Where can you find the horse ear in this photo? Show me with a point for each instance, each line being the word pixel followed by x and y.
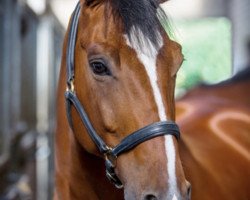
pixel 177 58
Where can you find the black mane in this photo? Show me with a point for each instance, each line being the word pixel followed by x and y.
pixel 141 15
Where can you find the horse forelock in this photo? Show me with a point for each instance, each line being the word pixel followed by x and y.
pixel 140 17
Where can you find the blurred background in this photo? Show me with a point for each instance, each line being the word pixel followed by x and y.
pixel 213 34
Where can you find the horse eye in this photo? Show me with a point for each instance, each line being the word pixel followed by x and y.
pixel 99 68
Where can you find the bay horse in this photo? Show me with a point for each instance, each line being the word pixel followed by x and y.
pixel 117 81
pixel 215 146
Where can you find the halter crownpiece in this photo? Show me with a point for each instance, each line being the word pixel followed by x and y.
pixel 131 141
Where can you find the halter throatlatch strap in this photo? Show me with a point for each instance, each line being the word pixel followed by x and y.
pixel 131 141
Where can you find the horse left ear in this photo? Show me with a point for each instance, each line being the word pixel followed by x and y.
pixel 177 58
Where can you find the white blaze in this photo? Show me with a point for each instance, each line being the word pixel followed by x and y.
pixel 147 54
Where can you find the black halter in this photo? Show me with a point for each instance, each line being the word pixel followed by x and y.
pixel 129 142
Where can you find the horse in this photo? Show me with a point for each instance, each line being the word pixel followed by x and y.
pixel 215 125
pixel 115 105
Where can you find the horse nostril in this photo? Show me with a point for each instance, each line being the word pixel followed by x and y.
pixel 150 197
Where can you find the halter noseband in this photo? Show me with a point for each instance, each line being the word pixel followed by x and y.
pixel 129 142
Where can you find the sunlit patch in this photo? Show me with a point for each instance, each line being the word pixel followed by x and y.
pixel 219 132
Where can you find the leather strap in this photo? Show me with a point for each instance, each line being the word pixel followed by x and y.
pixel 146 133
pixel 73 100
pixel 71 44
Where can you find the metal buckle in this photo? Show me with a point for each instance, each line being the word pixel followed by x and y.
pixel 70 87
pixel 110 163
pixel 110 156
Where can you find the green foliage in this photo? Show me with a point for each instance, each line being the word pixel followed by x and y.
pixel 207 48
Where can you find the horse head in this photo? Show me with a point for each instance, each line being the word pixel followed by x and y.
pixel 125 67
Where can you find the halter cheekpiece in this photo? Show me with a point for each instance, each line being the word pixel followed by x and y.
pixel 129 142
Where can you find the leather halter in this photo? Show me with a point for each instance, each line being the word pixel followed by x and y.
pixel 129 142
